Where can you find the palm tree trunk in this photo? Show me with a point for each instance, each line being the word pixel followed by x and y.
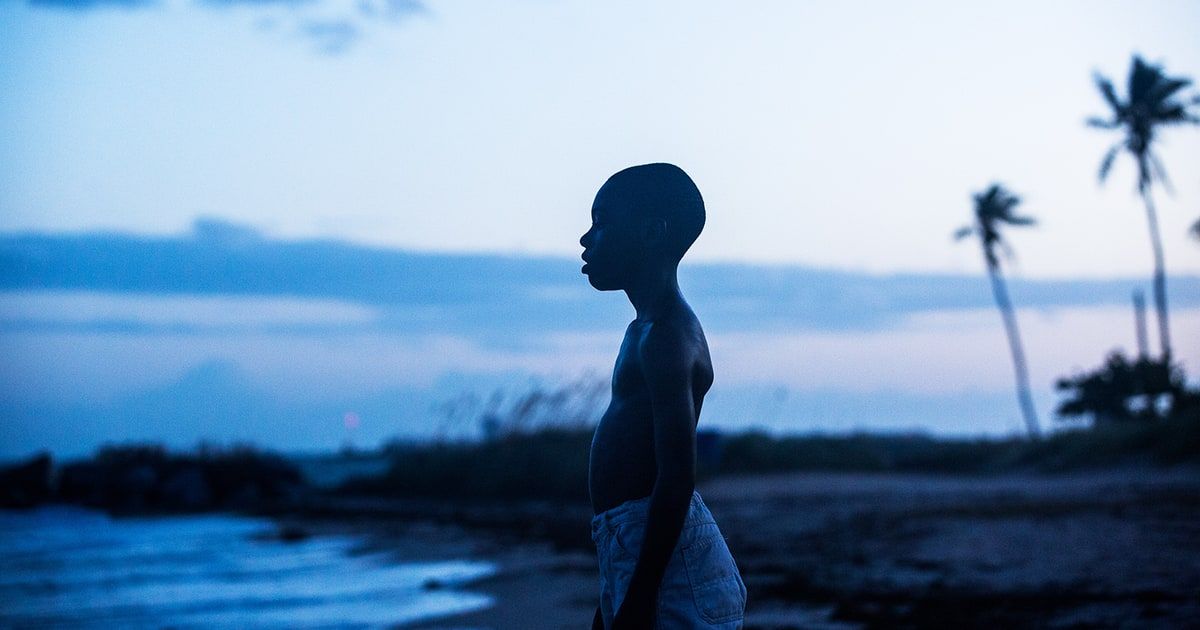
pixel 1160 277
pixel 1139 324
pixel 1024 398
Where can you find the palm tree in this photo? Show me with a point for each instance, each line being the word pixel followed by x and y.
pixel 1151 104
pixel 994 208
pixel 1195 230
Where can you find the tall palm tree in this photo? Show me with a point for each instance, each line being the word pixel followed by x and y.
pixel 993 209
pixel 1151 103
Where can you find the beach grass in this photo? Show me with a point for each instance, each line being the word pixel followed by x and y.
pixel 550 463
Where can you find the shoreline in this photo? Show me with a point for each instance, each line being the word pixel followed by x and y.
pixel 559 590
pixel 829 550
pixel 1108 548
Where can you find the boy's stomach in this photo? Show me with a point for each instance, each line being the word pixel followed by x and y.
pixel 622 466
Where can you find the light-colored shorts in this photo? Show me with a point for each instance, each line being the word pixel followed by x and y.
pixel 701 588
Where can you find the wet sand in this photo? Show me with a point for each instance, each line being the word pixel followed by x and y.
pixel 537 583
pixel 534 588
pixel 1095 549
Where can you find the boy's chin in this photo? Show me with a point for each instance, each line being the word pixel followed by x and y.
pixel 602 284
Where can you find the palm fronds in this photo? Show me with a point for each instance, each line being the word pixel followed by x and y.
pixel 1152 101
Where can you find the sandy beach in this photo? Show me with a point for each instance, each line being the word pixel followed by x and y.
pixel 1092 549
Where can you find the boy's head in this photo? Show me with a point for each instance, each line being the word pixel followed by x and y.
pixel 643 217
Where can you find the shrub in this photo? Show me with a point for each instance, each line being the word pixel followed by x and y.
pixel 146 477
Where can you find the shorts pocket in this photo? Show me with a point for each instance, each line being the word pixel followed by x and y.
pixel 628 538
pixel 717 588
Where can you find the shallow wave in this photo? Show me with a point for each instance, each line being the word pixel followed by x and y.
pixel 80 568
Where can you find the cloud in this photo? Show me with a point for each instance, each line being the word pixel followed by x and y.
pixel 224 232
pixel 390 9
pixel 332 37
pixel 87 5
pixel 333 26
pixel 259 3
pixel 503 299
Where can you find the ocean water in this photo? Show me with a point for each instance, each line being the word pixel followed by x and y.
pixel 66 567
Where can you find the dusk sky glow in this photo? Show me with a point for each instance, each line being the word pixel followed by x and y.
pixel 837 146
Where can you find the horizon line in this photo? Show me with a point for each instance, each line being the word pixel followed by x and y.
pixel 250 233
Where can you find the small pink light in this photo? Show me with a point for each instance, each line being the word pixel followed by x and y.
pixel 350 419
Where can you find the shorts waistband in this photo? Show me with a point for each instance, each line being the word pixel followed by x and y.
pixel 636 511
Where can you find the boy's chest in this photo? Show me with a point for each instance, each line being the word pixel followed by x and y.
pixel 628 380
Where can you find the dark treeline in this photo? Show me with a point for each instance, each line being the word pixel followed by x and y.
pixel 142 478
pixel 551 464
pixel 547 463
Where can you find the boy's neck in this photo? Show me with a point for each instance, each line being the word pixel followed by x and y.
pixel 655 293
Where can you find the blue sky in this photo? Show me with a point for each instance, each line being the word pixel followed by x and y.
pixel 834 134
pixel 836 144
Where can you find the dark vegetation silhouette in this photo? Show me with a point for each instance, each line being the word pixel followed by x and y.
pixel 518 459
pixel 1129 390
pixel 27 484
pixel 530 447
pixel 141 478
pixel 534 447
pixel 1122 390
pixel 994 209
pixel 1152 103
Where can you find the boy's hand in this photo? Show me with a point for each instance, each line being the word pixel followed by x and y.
pixel 633 616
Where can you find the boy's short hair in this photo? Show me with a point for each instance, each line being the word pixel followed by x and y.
pixel 664 191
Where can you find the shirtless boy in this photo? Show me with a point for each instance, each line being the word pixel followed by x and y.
pixel 663 562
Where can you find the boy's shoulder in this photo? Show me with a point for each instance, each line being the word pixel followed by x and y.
pixel 670 343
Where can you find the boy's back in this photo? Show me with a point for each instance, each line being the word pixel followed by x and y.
pixel 663 560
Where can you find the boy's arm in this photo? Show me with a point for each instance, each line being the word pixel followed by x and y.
pixel 666 364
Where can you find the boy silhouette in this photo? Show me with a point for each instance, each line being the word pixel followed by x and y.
pixel 663 561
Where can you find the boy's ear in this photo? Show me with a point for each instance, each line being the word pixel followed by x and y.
pixel 654 231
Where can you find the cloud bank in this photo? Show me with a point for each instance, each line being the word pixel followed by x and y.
pixel 332 26
pixel 485 296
